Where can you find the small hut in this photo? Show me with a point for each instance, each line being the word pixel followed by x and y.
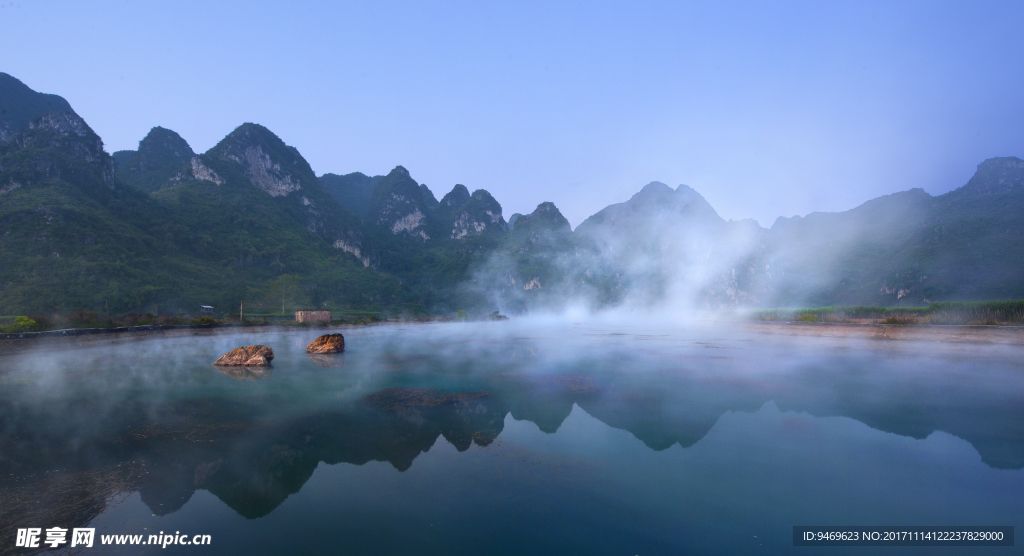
pixel 312 316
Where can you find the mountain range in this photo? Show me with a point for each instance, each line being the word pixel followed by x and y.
pixel 162 228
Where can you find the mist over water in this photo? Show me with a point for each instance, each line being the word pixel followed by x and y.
pixel 600 435
pixel 667 249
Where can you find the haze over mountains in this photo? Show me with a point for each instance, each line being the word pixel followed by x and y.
pixel 164 228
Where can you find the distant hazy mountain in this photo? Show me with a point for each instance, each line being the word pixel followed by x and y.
pixel 666 243
pixel 542 265
pixel 908 248
pixel 19 105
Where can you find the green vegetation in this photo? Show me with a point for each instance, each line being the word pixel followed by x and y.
pixel 352 191
pixel 89 319
pixel 978 312
pixel 78 239
pixel 21 324
pixel 946 312
pixel 162 154
pixel 437 243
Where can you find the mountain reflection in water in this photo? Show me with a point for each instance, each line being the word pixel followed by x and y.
pixel 154 418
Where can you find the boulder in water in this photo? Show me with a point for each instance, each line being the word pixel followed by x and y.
pixel 328 343
pixel 247 356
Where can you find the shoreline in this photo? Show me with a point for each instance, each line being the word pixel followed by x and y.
pixel 961 333
pixel 87 337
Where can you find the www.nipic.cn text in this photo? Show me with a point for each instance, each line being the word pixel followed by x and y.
pixel 55 537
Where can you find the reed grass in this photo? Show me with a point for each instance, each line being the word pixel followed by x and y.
pixel 941 312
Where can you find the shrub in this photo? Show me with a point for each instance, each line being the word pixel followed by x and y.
pixel 80 319
pixel 25 323
pixel 42 322
pixel 21 324
pixel 899 319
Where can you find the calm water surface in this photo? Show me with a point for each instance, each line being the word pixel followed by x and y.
pixel 513 438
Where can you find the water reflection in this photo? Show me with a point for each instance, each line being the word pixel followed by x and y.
pixel 329 360
pixel 255 445
pixel 246 373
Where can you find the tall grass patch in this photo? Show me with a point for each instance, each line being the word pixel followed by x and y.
pixel 942 312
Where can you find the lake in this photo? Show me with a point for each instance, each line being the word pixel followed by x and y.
pixel 521 437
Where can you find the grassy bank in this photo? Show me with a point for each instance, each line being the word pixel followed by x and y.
pixel 86 319
pixel 945 312
pixel 82 319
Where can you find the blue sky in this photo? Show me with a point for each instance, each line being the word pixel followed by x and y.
pixel 766 108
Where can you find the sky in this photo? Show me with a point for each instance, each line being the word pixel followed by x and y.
pixel 767 109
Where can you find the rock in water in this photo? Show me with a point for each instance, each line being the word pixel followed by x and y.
pixel 248 356
pixel 328 343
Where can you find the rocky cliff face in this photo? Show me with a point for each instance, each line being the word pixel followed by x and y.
pixel 398 206
pixel 202 172
pixel 478 214
pixel 250 147
pixel 253 155
pixel 268 175
pixel 67 141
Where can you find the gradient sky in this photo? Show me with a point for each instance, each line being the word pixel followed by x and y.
pixel 766 108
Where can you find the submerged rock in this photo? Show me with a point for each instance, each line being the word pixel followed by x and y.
pixel 328 343
pixel 395 399
pixel 332 360
pixel 575 383
pixel 247 356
